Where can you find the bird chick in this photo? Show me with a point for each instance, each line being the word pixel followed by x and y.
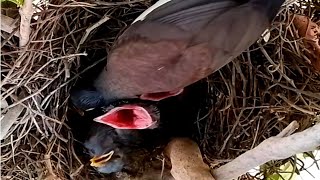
pixel 114 150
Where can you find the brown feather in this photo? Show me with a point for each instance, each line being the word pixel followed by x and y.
pixel 180 43
pixel 154 57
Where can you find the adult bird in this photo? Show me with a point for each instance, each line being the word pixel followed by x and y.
pixel 172 46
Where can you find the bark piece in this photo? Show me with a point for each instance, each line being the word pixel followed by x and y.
pixel 186 160
pixel 8 25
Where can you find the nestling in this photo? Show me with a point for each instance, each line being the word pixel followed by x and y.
pixel 114 150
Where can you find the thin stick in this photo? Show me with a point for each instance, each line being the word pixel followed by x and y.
pixel 91 28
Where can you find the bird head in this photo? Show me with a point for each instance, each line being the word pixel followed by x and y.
pixel 120 114
pixel 104 148
pixel 110 149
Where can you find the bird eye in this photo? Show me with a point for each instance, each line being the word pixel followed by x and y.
pixel 89 151
pixel 85 151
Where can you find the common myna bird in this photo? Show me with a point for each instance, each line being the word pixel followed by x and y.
pixel 173 46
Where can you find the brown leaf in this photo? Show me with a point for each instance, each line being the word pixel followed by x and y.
pixel 8 119
pixel 186 160
pixel 4 104
pixel 310 31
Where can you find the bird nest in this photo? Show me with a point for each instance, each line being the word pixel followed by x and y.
pixel 250 99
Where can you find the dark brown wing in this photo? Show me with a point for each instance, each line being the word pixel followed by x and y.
pixel 172 49
pixel 188 15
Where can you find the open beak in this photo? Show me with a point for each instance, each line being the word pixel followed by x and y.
pixel 99 161
pixel 127 117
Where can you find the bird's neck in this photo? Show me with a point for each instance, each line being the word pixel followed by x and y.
pixel 110 88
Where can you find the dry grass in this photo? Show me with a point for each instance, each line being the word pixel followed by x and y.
pixel 39 78
pixel 260 93
pixel 249 100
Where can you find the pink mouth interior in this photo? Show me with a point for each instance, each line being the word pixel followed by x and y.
pixel 160 95
pixel 127 117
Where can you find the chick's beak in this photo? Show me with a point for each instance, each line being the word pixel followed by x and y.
pixel 127 117
pixel 99 161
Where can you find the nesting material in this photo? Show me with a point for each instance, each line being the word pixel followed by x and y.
pixel 310 32
pixel 248 100
pixel 8 119
pixel 186 160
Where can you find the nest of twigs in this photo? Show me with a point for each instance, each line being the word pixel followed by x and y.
pixel 248 100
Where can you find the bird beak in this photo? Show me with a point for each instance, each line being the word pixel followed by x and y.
pixel 160 95
pixel 99 161
pixel 127 117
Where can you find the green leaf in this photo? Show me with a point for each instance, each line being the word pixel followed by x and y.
pixel 17 2
pixel 308 154
pixel 287 171
pixel 274 177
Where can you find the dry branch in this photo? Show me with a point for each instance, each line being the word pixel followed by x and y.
pixel 274 148
pixel 26 12
pixel 91 28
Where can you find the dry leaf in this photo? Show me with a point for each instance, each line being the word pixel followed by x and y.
pixel 310 31
pixel 4 104
pixel 8 119
pixel 8 25
pixel 266 35
pixel 186 160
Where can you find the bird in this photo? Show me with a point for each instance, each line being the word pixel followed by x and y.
pixel 118 150
pixel 172 46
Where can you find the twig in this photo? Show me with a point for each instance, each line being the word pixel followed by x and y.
pixel 276 67
pixel 116 3
pixel 291 128
pixel 307 93
pixel 47 160
pixel 91 28
pixel 295 106
pixel 274 148
pixel 71 79
pixel 73 4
